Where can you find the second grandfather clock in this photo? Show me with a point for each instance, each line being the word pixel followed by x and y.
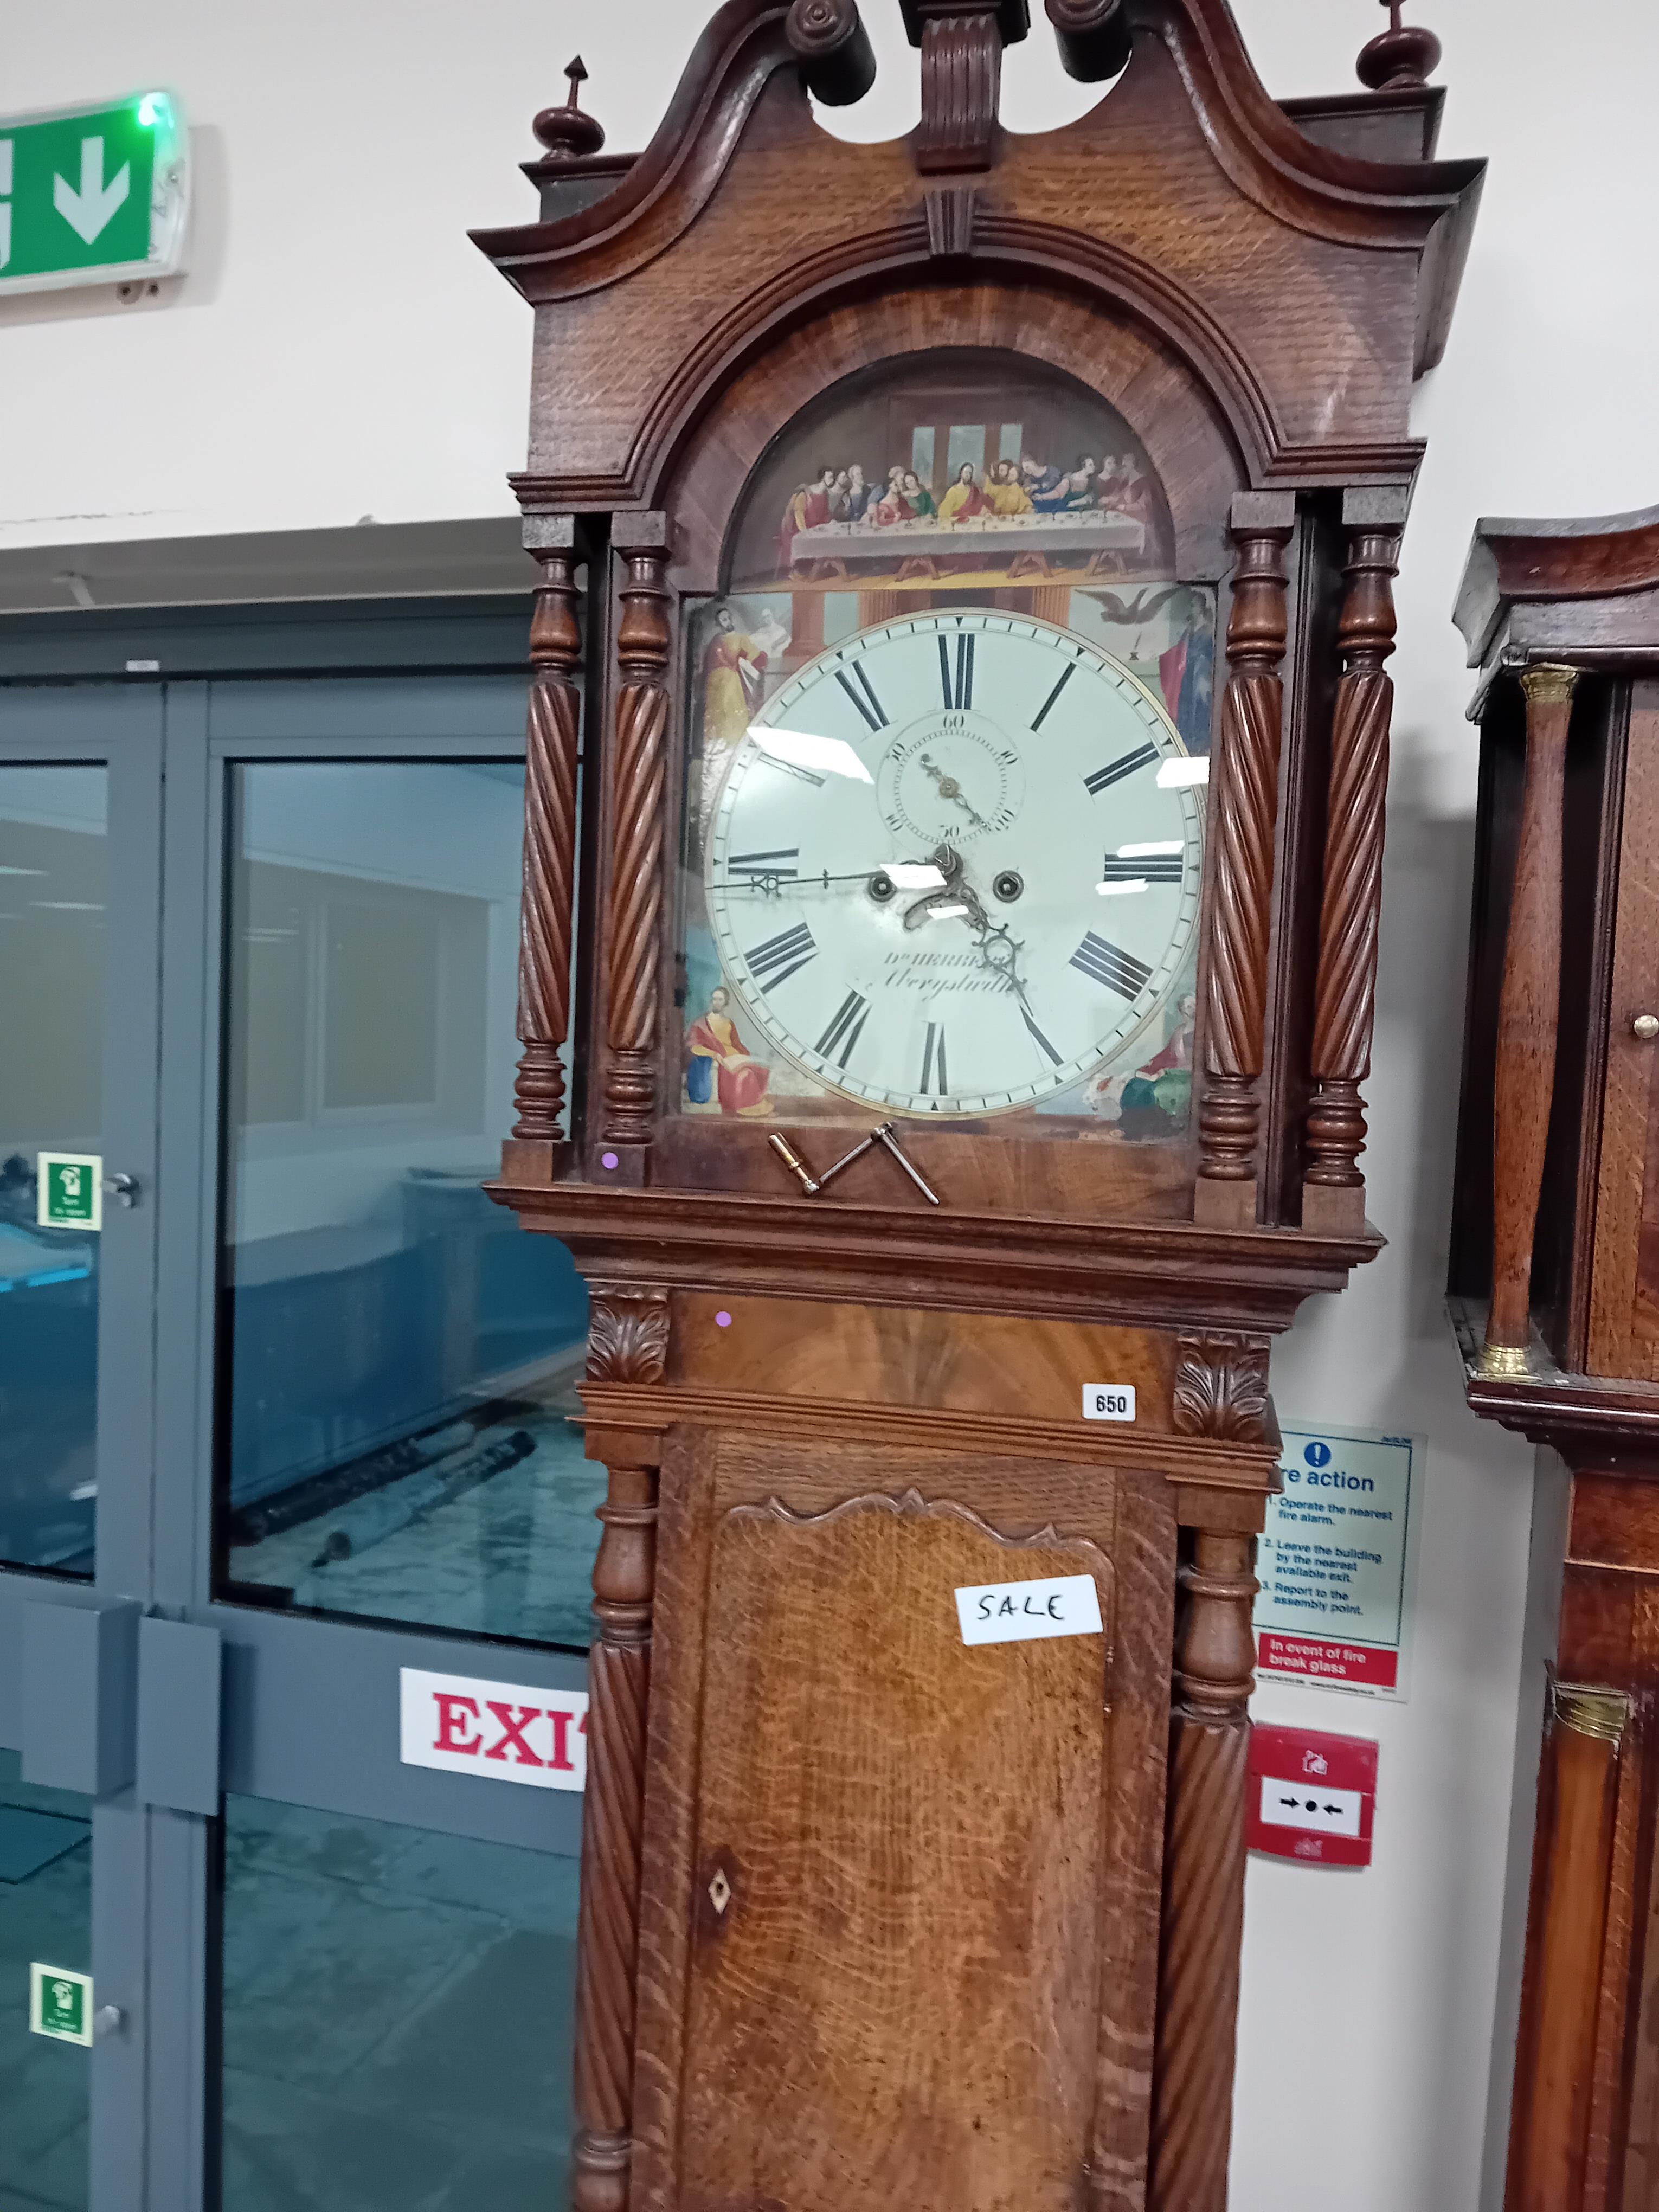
pixel 958 735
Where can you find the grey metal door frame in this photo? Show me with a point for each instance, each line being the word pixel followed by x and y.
pixel 121 730
pixel 222 1696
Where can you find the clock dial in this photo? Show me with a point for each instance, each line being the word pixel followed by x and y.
pixel 956 863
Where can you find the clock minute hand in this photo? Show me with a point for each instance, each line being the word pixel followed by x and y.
pixel 773 882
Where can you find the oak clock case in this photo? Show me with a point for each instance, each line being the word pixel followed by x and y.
pixel 947 1010
pixel 1554 1295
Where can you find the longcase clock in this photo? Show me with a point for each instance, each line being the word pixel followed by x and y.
pixel 958 740
pixel 1555 1300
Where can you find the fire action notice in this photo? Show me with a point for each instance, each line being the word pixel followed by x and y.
pixel 1335 1562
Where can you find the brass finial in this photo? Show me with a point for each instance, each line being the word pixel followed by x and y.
pixel 567 131
pixel 1399 58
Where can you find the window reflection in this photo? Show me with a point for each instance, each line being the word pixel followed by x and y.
pixel 397 1437
pixel 53 883
pixel 46 1914
pixel 396 2017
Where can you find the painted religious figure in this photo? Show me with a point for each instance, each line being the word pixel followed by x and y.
pixel 719 1065
pixel 733 680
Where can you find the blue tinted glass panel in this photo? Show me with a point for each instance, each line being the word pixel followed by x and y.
pixel 399 1439
pixel 396 2017
pixel 45 1916
pixel 53 883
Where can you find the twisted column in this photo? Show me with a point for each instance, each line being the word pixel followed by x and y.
pixel 549 852
pixel 1344 999
pixel 634 920
pixel 1244 808
pixel 1203 1880
pixel 628 1343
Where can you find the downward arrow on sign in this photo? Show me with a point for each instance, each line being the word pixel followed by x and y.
pixel 89 210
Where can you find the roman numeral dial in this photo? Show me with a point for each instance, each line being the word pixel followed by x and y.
pixel 950 869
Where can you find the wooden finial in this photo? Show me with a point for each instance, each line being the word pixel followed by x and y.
pixel 566 131
pixel 1096 37
pixel 1399 58
pixel 837 59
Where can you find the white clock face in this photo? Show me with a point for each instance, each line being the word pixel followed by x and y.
pixel 956 863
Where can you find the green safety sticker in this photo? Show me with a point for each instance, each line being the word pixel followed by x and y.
pixel 69 1190
pixel 60 2003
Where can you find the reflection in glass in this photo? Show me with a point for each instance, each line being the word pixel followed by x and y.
pixel 52 892
pixel 396 2017
pixel 397 1441
pixel 46 1915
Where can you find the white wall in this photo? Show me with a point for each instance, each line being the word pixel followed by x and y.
pixel 342 350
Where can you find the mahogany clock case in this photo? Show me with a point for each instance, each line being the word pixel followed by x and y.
pixel 868 1915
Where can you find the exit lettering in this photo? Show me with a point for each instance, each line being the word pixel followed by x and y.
pixel 505 1730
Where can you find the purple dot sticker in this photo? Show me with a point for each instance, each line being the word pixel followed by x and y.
pixel 722 1320
pixel 607 1159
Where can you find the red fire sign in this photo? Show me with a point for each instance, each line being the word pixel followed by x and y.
pixel 1311 1796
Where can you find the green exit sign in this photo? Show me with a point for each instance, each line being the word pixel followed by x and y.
pixel 93 195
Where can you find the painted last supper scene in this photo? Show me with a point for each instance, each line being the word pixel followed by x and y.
pixel 951 722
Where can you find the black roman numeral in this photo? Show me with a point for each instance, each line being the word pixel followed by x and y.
pixel 765 866
pixel 959 693
pixel 782 957
pixel 1025 1016
pixel 862 695
pixel 845 1027
pixel 1156 868
pixel 933 1077
pixel 1041 714
pixel 1118 970
pixel 1115 771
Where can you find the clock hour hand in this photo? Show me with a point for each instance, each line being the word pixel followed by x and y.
pixel 947 898
pixel 998 948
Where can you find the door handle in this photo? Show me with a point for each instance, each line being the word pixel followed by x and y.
pixel 123 1188
pixel 79 1683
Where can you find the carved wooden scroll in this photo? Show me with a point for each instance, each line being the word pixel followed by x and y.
pixel 1345 1000
pixel 961 43
pixel 1245 808
pixel 550 851
pixel 1528 1011
pixel 1203 1880
pixel 1221 1387
pixel 628 1342
pixel 638 775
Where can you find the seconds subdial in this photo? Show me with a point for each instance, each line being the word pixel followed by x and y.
pixel 951 775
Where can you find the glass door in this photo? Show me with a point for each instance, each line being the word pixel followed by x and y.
pixel 79 879
pixel 393 1444
pixel 345 1653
